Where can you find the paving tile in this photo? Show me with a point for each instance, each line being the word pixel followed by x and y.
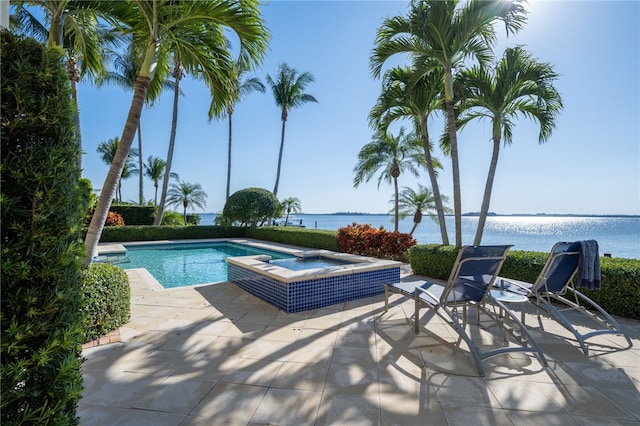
pixel 475 415
pixel 287 407
pixel 408 410
pixel 136 417
pixel 252 372
pixel 177 394
pixel 348 409
pixel 229 403
pixel 303 376
pixel 463 391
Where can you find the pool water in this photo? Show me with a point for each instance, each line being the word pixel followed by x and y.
pixel 180 265
pixel 300 264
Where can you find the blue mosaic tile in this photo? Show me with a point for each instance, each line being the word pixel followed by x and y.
pixel 315 293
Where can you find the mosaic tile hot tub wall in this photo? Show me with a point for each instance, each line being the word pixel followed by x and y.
pixel 316 293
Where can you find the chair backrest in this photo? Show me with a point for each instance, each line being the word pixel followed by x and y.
pixel 559 269
pixel 474 272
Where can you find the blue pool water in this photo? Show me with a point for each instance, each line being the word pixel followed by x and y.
pixel 179 265
pixel 300 264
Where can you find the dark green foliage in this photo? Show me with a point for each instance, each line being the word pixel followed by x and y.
pixel 107 303
pixel 311 238
pixel 620 293
pixel 172 219
pixel 42 209
pixel 134 214
pixel 251 206
pixel 193 219
pixel 432 260
pixel 154 233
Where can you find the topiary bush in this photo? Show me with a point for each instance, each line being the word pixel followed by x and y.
pixel 365 240
pixel 41 211
pixel 107 304
pixel 251 207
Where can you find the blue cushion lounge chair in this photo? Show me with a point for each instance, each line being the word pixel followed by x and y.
pixel 471 278
pixel 556 284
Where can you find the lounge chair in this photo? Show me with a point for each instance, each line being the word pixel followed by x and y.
pixel 554 292
pixel 470 281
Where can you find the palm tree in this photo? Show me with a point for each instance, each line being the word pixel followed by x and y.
pixel 518 85
pixel 290 205
pixel 75 26
pixel 107 151
pixel 417 203
pixel 407 95
pixel 193 28
pixel 186 194
pixel 440 35
pixel 124 74
pixel 154 170
pixel 242 85
pixel 393 155
pixel 288 91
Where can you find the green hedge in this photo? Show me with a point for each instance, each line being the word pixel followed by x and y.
pixel 155 233
pixel 135 214
pixel 293 235
pixel 41 210
pixel 620 293
pixel 107 303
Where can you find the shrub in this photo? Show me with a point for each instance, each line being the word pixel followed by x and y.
pixel 364 240
pixel 114 219
pixel 172 219
pixel 41 212
pixel 620 293
pixel 107 303
pixel 193 219
pixel 251 206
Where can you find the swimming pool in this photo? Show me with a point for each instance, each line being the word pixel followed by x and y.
pixel 311 262
pixel 186 264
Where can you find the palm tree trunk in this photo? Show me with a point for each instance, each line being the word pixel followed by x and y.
pixel 172 142
pixel 434 183
pixel 140 167
pixel 74 76
pixel 486 200
pixel 275 188
pixel 115 170
pixel 455 166
pixel 396 204
pixel 155 201
pixel 229 158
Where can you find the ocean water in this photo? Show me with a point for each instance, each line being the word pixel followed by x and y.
pixel 618 236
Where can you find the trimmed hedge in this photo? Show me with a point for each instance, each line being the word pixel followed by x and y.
pixel 620 293
pixel 135 214
pixel 107 303
pixel 41 208
pixel 293 235
pixel 156 233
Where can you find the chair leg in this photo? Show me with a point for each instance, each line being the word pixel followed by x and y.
pixel 416 319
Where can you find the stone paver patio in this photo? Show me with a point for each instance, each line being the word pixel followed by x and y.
pixel 216 355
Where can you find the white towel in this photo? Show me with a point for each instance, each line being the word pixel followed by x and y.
pixel 589 274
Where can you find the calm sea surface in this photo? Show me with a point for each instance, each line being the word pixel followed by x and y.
pixel 619 236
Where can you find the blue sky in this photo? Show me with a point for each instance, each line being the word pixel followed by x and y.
pixel 590 165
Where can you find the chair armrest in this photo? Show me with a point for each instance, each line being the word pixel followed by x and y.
pixel 521 285
pixel 428 294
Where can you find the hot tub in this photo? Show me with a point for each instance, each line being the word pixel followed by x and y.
pixel 314 280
